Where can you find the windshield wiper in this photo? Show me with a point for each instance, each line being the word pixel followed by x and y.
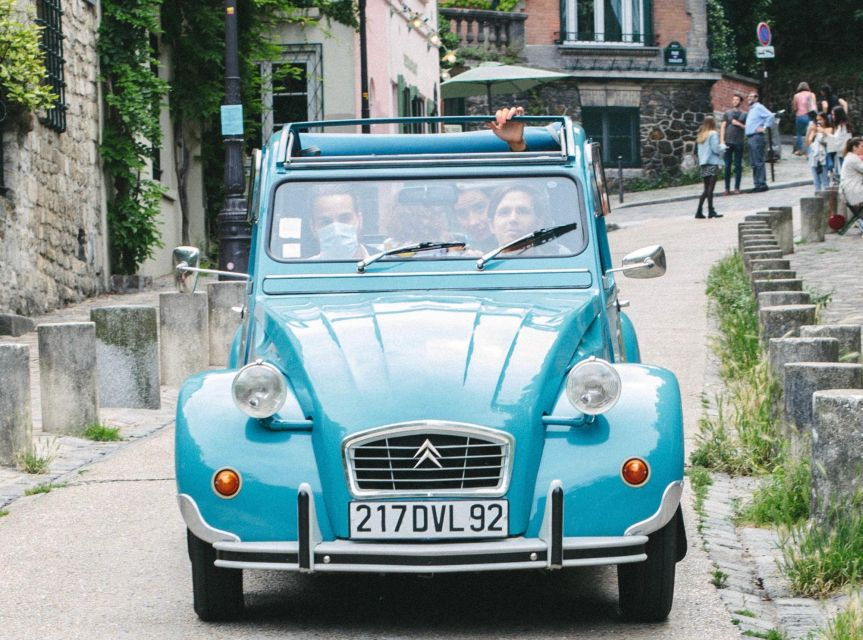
pixel 533 239
pixel 408 248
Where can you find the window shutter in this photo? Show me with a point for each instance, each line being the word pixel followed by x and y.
pixel 647 12
pixel 562 36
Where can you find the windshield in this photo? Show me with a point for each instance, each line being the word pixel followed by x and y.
pixel 352 220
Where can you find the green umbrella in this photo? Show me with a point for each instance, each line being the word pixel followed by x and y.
pixel 496 78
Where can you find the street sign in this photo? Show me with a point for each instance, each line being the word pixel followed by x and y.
pixel 675 54
pixel 765 53
pixel 762 31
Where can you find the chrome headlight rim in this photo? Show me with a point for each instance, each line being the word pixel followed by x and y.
pixel 579 370
pixel 280 388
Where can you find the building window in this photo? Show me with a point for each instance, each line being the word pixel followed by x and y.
pixel 292 88
pixel 616 129
pixel 410 105
pixel 613 21
pixel 49 16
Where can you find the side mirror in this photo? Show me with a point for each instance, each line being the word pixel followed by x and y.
pixel 648 262
pixel 186 261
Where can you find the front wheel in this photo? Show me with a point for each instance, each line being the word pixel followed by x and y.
pixel 217 592
pixel 647 588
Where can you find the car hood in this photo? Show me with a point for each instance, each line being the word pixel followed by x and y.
pixel 495 358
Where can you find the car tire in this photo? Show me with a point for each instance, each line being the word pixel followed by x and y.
pixel 217 592
pixel 647 588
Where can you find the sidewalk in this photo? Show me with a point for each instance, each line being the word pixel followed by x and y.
pixel 70 453
pixel 790 171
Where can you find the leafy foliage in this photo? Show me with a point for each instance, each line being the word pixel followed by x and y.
pixel 22 62
pixel 133 95
pixel 720 37
pixel 194 30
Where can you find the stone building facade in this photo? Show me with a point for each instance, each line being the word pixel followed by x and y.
pixel 52 221
pixel 641 68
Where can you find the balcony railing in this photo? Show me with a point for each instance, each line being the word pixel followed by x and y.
pixel 592 37
pixel 495 30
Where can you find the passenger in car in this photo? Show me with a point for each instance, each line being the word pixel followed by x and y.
pixel 336 223
pixel 471 217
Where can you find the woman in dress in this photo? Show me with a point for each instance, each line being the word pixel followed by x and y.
pixel 801 104
pixel 710 159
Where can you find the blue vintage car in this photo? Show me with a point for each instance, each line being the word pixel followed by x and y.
pixel 433 373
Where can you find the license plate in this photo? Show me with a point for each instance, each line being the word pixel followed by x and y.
pixel 443 519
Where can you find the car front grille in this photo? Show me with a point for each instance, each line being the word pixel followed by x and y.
pixel 420 459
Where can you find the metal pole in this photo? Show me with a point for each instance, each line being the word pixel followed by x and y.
pixel 620 176
pixel 771 157
pixel 365 112
pixel 234 234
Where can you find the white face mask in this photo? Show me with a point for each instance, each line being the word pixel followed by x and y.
pixel 338 241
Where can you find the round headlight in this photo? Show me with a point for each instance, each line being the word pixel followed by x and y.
pixel 259 389
pixel 593 386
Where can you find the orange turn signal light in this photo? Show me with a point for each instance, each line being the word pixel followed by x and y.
pixel 227 483
pixel 635 472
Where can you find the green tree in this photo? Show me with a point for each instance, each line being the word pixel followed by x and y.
pixel 720 40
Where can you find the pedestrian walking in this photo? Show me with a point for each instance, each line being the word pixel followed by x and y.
pixel 802 103
pixel 817 151
pixel 758 119
pixel 731 135
pixel 836 141
pixel 709 158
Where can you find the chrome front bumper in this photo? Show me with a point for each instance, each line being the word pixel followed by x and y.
pixel 551 550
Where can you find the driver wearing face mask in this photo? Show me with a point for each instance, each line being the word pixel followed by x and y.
pixel 336 224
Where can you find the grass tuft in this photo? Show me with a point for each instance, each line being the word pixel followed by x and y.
pixel 822 557
pixel 102 433
pixel 3 512
pixel 848 625
pixel 43 488
pixel 718 578
pixel 39 457
pixel 784 499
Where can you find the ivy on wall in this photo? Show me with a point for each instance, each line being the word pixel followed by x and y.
pixel 720 38
pixel 133 95
pixel 22 62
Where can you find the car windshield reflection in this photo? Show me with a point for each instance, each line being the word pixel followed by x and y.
pixel 351 221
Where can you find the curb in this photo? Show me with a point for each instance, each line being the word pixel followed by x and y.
pixel 681 198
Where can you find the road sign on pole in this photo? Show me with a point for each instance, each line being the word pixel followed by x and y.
pixel 765 53
pixel 762 31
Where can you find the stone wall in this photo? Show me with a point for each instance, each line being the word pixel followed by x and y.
pixel 670 116
pixel 51 223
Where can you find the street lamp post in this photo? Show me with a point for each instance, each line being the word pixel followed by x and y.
pixel 365 112
pixel 233 228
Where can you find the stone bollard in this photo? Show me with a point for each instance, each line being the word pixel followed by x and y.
pixel 769 265
pixel 781 351
pixel 761 286
pixel 774 274
pixel 183 335
pixel 813 221
pixel 784 228
pixel 67 372
pixel 784 321
pixel 222 298
pixel 837 442
pixel 848 336
pixel 802 379
pixel 760 245
pixel 14 325
pixel 759 254
pixel 830 195
pixel 778 298
pixel 762 217
pixel 748 241
pixel 16 423
pixel 127 356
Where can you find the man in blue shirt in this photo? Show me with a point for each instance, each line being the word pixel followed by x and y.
pixel 758 119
